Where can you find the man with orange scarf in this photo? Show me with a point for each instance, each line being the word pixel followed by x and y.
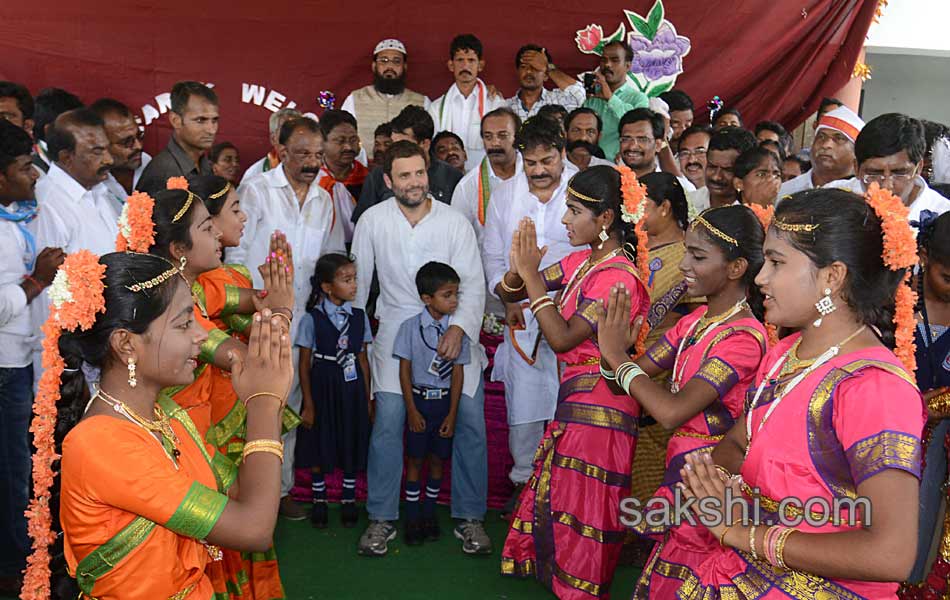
pixel 341 175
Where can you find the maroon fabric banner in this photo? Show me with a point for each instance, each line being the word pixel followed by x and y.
pixel 770 59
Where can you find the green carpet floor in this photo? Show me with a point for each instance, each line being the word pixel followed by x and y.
pixel 323 565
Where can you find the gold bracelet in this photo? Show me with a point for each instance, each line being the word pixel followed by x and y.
pixel 539 301
pixel 271 394
pixel 724 471
pixel 274 447
pixel 508 288
pixel 278 453
pixel 752 543
pixel 780 548
pixel 542 305
pixel 280 314
pixel 722 537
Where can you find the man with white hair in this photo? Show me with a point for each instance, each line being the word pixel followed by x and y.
pixel 379 103
pixel 272 159
pixel 832 152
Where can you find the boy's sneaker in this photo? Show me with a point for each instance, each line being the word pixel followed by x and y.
pixel 430 529
pixel 473 536
pixel 415 534
pixel 375 540
pixel 318 517
pixel 349 514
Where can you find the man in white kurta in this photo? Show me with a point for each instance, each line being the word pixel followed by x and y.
pixel 395 238
pixel 74 207
pixel 524 361
pixel 288 199
pixel 832 152
pixel 461 109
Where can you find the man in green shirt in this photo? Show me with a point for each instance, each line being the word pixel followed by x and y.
pixel 616 94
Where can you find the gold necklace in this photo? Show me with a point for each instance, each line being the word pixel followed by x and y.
pixel 585 267
pixel 161 424
pixel 794 364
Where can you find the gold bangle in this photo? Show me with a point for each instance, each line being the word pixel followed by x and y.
pixel 540 300
pixel 271 394
pixel 542 305
pixel 780 547
pixel 264 442
pixel 508 288
pixel 752 543
pixel 722 536
pixel 724 471
pixel 267 450
pixel 280 314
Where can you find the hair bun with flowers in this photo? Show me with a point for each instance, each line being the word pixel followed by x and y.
pixel 76 297
pixel 900 252
pixel 136 227
pixel 632 210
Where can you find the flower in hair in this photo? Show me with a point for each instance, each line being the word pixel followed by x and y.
pixel 77 296
pixel 176 183
pixel 136 228
pixel 632 210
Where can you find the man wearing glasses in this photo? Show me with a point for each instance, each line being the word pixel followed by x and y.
pixel 890 152
pixel 832 152
pixel 380 102
pixel 693 144
pixel 641 140
pixel 125 146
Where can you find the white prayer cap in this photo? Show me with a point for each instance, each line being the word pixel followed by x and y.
pixel 842 119
pixel 390 44
pixel 659 106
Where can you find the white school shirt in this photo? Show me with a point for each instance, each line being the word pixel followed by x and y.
pixel 270 204
pixel 117 193
pixel 385 240
pixel 530 390
pixel 927 199
pixel 16 327
pixel 454 112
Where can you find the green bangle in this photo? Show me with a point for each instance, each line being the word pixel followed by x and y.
pixel 626 373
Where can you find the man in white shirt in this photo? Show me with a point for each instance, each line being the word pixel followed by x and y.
pixel 25 271
pixel 642 137
pixel 289 199
pixel 271 160
pixel 534 69
pixel 890 151
pixel 125 146
pixel 380 102
pixel 691 153
pixel 461 108
pixel 524 361
pixel 832 152
pixel 584 126
pixel 725 146
pixel 395 238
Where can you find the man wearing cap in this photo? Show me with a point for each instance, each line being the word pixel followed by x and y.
pixel 380 102
pixel 832 152
pixel 890 152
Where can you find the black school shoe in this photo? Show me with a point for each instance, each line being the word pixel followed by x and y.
pixel 431 529
pixel 349 514
pixel 415 534
pixel 318 518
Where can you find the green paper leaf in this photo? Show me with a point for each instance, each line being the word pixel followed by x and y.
pixel 640 24
pixel 655 17
pixel 654 92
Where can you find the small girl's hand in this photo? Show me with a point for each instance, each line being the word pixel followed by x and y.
pixel 307 415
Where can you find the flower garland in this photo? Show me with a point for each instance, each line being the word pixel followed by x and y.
pixel 77 296
pixel 765 214
pixel 136 230
pixel 900 252
pixel 176 183
pixel 632 211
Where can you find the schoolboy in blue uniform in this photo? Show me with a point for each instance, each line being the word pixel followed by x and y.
pixel 431 388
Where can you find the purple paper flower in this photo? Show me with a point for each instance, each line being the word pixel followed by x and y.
pixel 661 57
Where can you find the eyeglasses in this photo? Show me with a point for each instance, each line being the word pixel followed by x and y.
pixel 640 140
pixel 880 178
pixel 697 152
pixel 396 62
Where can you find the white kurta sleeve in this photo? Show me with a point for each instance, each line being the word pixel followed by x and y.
pixel 494 253
pixel 468 264
pixel 363 252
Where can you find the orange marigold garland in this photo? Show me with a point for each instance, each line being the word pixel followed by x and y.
pixel 900 252
pixel 632 211
pixel 136 229
pixel 76 295
pixel 176 183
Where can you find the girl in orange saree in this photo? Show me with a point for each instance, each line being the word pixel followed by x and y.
pixel 566 529
pixel 143 508
pixel 833 419
pixel 713 353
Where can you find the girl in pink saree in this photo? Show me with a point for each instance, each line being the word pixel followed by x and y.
pixel 833 423
pixel 713 353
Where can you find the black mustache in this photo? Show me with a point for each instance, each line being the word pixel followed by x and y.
pixel 313 170
pixel 539 177
pixel 694 164
pixel 465 72
pixel 495 151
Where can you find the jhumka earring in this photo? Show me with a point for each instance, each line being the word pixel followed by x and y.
pixel 825 307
